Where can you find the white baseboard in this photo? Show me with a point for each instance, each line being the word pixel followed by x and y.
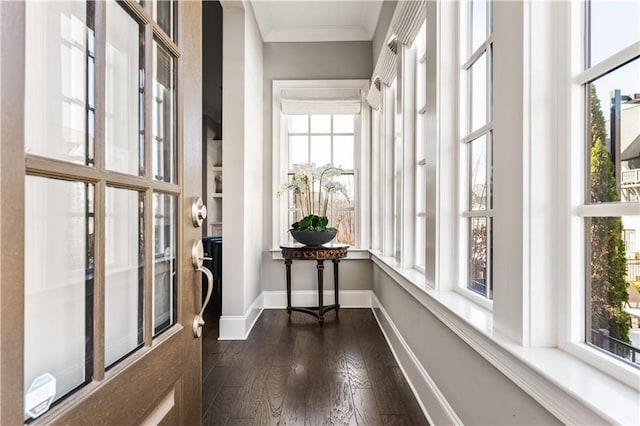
pixel 347 298
pixel 433 403
pixel 238 327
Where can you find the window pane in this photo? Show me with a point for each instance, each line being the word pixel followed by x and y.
pixel 420 241
pixel 610 27
pixel 298 124
pixel 321 150
pixel 124 272
pixel 58 282
pixel 614 123
pixel 479 93
pixel 122 86
pixel 343 152
pixel 614 277
pixel 164 262
pixel 344 221
pixel 346 200
pixel 298 150
pixel 478 174
pixel 320 124
pixel 164 14
pixel 421 189
pixel 420 137
pixel 164 115
pixel 56 62
pixel 479 246
pixel 478 24
pixel 343 123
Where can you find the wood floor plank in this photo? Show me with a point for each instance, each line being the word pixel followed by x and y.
pixel 366 407
pixel 270 408
pixel 342 407
pixel 294 404
pixel 292 371
pixel 223 405
pixel 212 385
pixel 232 355
pixel 386 392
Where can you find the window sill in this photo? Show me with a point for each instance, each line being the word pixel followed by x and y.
pixel 572 390
pixel 352 254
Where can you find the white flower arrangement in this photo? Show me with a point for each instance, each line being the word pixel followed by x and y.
pixel 314 185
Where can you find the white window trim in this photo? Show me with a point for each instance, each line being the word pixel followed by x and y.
pixel 361 155
pixel 572 263
pixel 466 138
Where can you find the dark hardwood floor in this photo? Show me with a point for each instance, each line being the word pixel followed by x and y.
pixel 298 373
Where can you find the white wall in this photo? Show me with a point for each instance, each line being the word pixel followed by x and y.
pixel 253 159
pixel 478 393
pixel 242 153
pixel 307 61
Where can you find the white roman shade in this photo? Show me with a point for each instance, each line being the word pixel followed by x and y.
pixel 405 25
pixel 373 96
pixel 320 101
pixel 407 20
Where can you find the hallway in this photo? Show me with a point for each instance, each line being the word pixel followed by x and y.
pixel 298 373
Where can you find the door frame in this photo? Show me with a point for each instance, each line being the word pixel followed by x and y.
pixel 176 353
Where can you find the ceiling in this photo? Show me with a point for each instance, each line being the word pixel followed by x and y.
pixel 312 20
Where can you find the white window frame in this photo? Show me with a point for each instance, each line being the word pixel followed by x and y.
pixel 468 60
pixel 361 159
pixel 420 51
pixel 572 336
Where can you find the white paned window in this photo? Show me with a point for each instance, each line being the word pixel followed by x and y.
pixel 476 151
pixel 325 139
pixel 322 122
pixel 420 148
pixel 611 213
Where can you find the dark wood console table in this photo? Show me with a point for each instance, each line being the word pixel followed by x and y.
pixel 333 252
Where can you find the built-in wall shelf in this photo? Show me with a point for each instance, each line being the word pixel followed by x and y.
pixel 214 179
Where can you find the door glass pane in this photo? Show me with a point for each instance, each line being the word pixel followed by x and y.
pixel 614 125
pixel 164 261
pixel 57 55
pixel 58 283
pixel 164 114
pixel 123 80
pixel 164 14
pixel 124 272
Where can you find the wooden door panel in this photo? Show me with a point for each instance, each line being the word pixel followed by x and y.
pixel 158 383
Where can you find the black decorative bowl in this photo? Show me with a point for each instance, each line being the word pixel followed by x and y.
pixel 313 238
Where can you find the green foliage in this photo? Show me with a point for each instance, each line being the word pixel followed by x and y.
pixel 311 223
pixel 608 262
pixel 597 121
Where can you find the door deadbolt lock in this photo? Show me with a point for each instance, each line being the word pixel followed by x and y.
pixel 198 212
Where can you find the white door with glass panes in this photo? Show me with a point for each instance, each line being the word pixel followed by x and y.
pixel 99 173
